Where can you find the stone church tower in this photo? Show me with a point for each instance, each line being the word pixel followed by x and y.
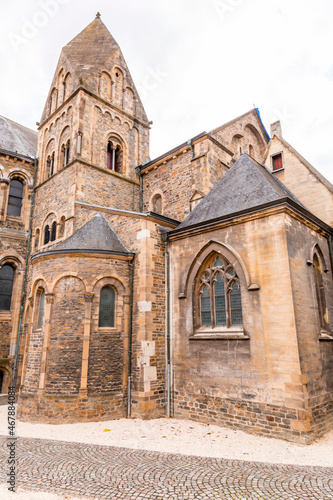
pixel 198 284
pixel 92 135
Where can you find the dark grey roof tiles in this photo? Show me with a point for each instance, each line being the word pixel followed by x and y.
pixel 94 235
pixel 246 185
pixel 16 138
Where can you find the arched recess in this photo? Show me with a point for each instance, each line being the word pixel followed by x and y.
pixel 129 101
pixel 110 359
pixel 64 358
pixel 136 151
pixel 320 288
pixel 105 86
pixel 118 85
pixel 64 148
pixel 49 159
pixel 156 202
pixel 255 138
pixel 317 250
pixel 226 250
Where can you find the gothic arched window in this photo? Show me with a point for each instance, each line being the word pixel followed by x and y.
pixel 320 294
pixel 6 286
pixel 218 294
pixel 107 307
pixel 15 197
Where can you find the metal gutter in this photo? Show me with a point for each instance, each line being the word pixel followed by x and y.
pixel 130 334
pixel 167 262
pixel 253 210
pixel 78 250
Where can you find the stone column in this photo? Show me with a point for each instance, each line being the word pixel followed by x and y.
pixel 47 330
pixel 15 308
pixel 88 298
pixel 26 347
pixel 4 183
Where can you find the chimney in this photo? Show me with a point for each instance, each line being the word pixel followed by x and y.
pixel 276 129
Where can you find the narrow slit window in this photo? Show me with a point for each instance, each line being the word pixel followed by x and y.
pixel 6 286
pixel 41 309
pixel 107 307
pixel 53 231
pixel 46 234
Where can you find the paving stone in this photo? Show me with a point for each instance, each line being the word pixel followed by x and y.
pixel 106 472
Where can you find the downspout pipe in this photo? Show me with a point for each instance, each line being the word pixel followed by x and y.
pixel 330 252
pixel 141 187
pixel 189 142
pixel 130 335
pixel 24 279
pixel 167 264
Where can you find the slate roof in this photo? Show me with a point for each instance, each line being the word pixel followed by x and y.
pixel 246 185
pixel 96 234
pixel 16 138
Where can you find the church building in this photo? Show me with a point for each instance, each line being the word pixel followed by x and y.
pixel 197 285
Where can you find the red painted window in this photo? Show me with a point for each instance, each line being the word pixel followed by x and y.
pixel 277 162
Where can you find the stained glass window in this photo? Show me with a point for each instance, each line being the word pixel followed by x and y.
pixel 220 294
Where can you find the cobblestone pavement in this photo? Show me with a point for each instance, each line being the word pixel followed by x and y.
pixel 105 472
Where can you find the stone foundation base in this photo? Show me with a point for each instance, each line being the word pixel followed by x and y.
pixel 263 419
pixel 70 409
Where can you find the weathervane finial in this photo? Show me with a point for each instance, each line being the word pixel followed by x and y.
pixel 98 15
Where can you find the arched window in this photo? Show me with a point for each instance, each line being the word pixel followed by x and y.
pixel 107 307
pixel 67 149
pixel 40 302
pixel 320 294
pixel 6 286
pixel 15 197
pixel 219 294
pixel 251 151
pixel 157 204
pixel 114 156
pixel 50 164
pixel 46 234
pixel 53 231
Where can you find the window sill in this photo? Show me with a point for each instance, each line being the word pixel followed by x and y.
pixel 232 333
pixel 325 336
pixel 277 170
pixel 5 315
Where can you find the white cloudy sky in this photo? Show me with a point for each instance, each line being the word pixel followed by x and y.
pixel 197 63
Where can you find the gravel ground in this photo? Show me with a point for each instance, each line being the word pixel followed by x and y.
pixel 174 436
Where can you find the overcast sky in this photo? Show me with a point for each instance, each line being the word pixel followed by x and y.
pixel 196 63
